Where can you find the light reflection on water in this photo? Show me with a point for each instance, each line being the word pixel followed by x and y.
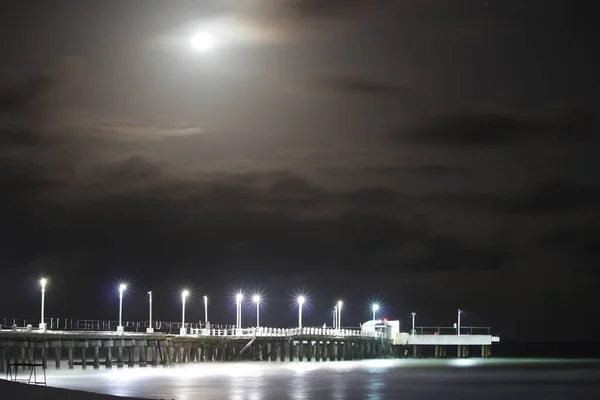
pixel 372 380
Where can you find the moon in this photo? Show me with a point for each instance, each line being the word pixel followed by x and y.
pixel 203 41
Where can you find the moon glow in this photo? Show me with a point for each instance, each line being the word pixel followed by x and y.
pixel 203 41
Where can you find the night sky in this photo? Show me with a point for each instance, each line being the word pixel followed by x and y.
pixel 430 154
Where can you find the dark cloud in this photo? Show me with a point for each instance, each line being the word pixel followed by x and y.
pixel 499 129
pixel 549 197
pixel 554 196
pixel 133 210
pixel 578 243
pixel 360 86
pixel 326 9
pixel 24 95
pixel 451 253
pixel 20 137
pixel 374 197
pixel 431 169
pixel 134 170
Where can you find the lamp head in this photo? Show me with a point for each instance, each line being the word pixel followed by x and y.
pixel 256 299
pixel 340 304
pixel 239 297
pixel 301 300
pixel 43 282
pixel 185 294
pixel 375 307
pixel 122 288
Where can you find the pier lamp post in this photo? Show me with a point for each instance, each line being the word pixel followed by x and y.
pixel 334 312
pixel 413 323
pixel 150 329
pixel 301 301
pixel 184 295
pixel 339 314
pixel 122 288
pixel 238 300
pixel 375 308
pixel 458 322
pixel 256 299
pixel 206 312
pixel 43 325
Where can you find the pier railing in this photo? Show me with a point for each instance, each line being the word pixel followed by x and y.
pixel 289 332
pixel 167 327
pixel 450 330
pixel 67 324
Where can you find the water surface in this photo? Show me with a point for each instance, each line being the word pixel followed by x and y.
pixel 372 380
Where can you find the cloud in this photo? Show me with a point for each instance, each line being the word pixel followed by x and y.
pixel 135 209
pixel 23 96
pixel 124 174
pixel 430 169
pixel 117 128
pixel 326 9
pixel 499 129
pixel 360 86
pixel 577 242
pixel 549 197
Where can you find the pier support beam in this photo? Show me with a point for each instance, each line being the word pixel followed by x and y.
pixel 96 346
pixel 57 353
pixel 119 344
pixel 108 344
pixel 142 345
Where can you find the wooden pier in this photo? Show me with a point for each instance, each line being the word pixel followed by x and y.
pixel 108 349
pixel 20 347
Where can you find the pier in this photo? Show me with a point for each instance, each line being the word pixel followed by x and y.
pixel 27 347
pixel 94 349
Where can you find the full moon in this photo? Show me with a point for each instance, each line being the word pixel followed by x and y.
pixel 203 41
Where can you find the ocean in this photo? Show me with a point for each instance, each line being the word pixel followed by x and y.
pixel 407 379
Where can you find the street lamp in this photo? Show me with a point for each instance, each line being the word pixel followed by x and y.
pixel 339 314
pixel 334 317
pixel 206 312
pixel 256 299
pixel 238 299
pixel 301 301
pixel 458 322
pixel 43 325
pixel 413 323
pixel 150 329
pixel 120 328
pixel 375 308
pixel 184 295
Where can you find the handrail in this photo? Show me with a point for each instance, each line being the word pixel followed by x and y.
pixel 445 330
pixel 286 332
pixel 197 329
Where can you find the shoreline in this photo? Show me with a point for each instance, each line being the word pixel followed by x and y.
pixel 16 390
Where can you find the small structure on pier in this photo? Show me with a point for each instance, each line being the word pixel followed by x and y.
pixel 388 328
